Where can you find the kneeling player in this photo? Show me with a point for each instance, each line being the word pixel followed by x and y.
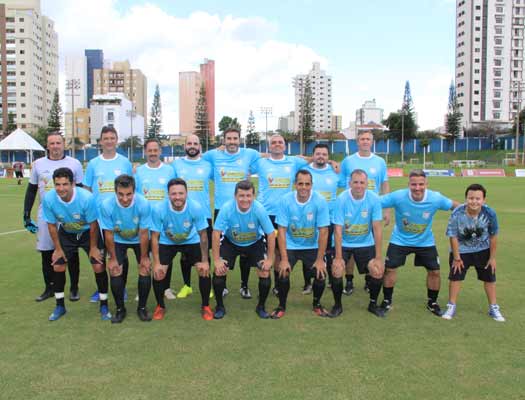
pixel 242 222
pixel 179 224
pixel 75 211
pixel 303 220
pixel 472 229
pixel 125 219
pixel 358 233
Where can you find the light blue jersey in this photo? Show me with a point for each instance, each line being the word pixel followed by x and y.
pixel 276 178
pixel 125 222
pixel 374 166
pixel 414 218
pixel 197 175
pixel 74 216
pixel 473 234
pixel 152 183
pixel 325 183
pixel 243 228
pixel 101 173
pixel 303 220
pixel 356 218
pixel 178 227
pixel 228 169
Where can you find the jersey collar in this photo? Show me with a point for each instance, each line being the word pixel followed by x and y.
pixel 175 211
pixel 422 200
pixel 353 198
pixel 72 197
pixel 306 202
pixel 108 159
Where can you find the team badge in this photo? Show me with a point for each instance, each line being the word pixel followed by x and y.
pixel 426 215
pixel 310 216
pixel 406 214
pixel 364 213
pixel 76 216
pixel 251 225
pixel 372 170
pixel 328 181
pixel 186 224
pixel 162 181
pixel 118 172
pixel 287 169
pixel 200 171
pixel 135 220
pixel 239 161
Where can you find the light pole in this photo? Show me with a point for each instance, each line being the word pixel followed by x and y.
pixel 266 111
pixel 403 112
pixel 73 84
pixel 517 86
pixel 131 114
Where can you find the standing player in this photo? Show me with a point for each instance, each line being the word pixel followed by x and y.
pixel 376 170
pixel 472 229
pixel 152 179
pixel 125 220
pixel 414 209
pixel 18 166
pixel 303 221
pixel 179 225
pixel 41 180
pixel 100 177
pixel 197 173
pixel 358 233
pixel 229 167
pixel 74 210
pixel 238 231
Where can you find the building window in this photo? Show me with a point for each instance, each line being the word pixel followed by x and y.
pixel 21 30
pixel 497 94
pixel 476 113
pixel 476 91
pixel 496 104
pixel 22 52
pixel 496 115
pixel 497 84
pixel 476 82
pixel 498 52
pixel 476 103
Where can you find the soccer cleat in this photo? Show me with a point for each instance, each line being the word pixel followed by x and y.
pixel 125 294
pixel 261 312
pixel 378 311
pixel 451 311
pixel 219 313
pixel 73 295
pixel 184 292
pixel 46 294
pixel 349 288
pixel 307 289
pixel 386 306
pixel 57 313
pixel 225 292
pixel 275 291
pixel 168 293
pixel 495 313
pixel 94 297
pixel 434 309
pixel 105 315
pixel 143 314
pixel 119 316
pixel 245 293
pixel 335 312
pixel 206 313
pixel 159 313
pixel 320 311
pixel 278 313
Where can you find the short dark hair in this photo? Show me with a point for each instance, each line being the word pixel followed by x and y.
pixel 63 172
pixel 54 133
pixel 231 129
pixel 151 140
pixel 244 185
pixel 475 187
pixel 108 129
pixel 417 173
pixel 358 171
pixel 321 146
pixel 177 181
pixel 303 172
pixel 124 181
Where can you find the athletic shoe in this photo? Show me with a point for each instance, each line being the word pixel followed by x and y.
pixel 206 313
pixel 159 313
pixel 46 294
pixel 119 316
pixel 307 289
pixel 73 295
pixel 278 313
pixel 366 288
pixel 94 297
pixel 349 288
pixel 434 309
pixel 245 293
pixel 378 311
pixel 495 313
pixel 261 312
pixel 386 306
pixel 225 292
pixel 219 313
pixel 57 313
pixel 275 291
pixel 105 315
pixel 125 294
pixel 168 293
pixel 143 314
pixel 320 311
pixel 451 311
pixel 335 312
pixel 184 292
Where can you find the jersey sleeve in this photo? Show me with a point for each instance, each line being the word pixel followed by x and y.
pixel 282 216
pixel 264 220
pixel 91 208
pixel 156 217
pixel 254 157
pixel 209 156
pixel 145 215
pixel 343 175
pixel 33 178
pixel 376 210
pixel 299 162
pixel 338 217
pixel 323 214
pixel 387 200
pixel 445 203
pixel 493 227
pixel 201 223
pixel 78 172
pixel 105 217
pixel 221 223
pixel 88 178
pixel 384 172
pixel 128 170
pixel 49 216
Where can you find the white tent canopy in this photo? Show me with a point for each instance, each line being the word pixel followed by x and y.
pixel 20 140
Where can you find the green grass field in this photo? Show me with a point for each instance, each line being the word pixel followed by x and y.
pixel 409 355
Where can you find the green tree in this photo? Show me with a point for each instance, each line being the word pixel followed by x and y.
pixel 453 118
pixel 54 121
pixel 252 137
pixel 225 123
pixel 202 124
pixel 306 116
pixel 402 124
pixel 11 123
pixel 41 136
pixel 155 121
pixel 135 141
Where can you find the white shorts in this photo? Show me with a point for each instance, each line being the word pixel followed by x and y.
pixel 43 239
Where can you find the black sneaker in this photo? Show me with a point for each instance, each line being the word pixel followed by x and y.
pixel 261 312
pixel 275 291
pixel 434 309
pixel 219 313
pixel 386 306
pixel 377 311
pixel 349 288
pixel 143 314
pixel 73 295
pixel 335 312
pixel 119 316
pixel 46 294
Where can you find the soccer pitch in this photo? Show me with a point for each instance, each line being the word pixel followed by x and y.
pixel 409 355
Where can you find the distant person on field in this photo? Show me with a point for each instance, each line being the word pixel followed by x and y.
pixel 18 166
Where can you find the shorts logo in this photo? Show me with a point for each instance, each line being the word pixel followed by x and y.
pixel 426 215
pixel 364 213
pixel 310 216
pixel 118 172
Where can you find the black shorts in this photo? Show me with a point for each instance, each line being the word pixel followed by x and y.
pixel 121 251
pixel 329 243
pixel 478 260
pixel 209 231
pixel 425 256
pixel 71 242
pixel 362 256
pixel 307 256
pixel 275 226
pixel 19 174
pixel 190 253
pixel 253 253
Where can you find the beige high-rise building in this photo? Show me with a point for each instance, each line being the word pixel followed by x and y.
pixel 189 86
pixel 82 125
pixel 121 78
pixel 28 64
